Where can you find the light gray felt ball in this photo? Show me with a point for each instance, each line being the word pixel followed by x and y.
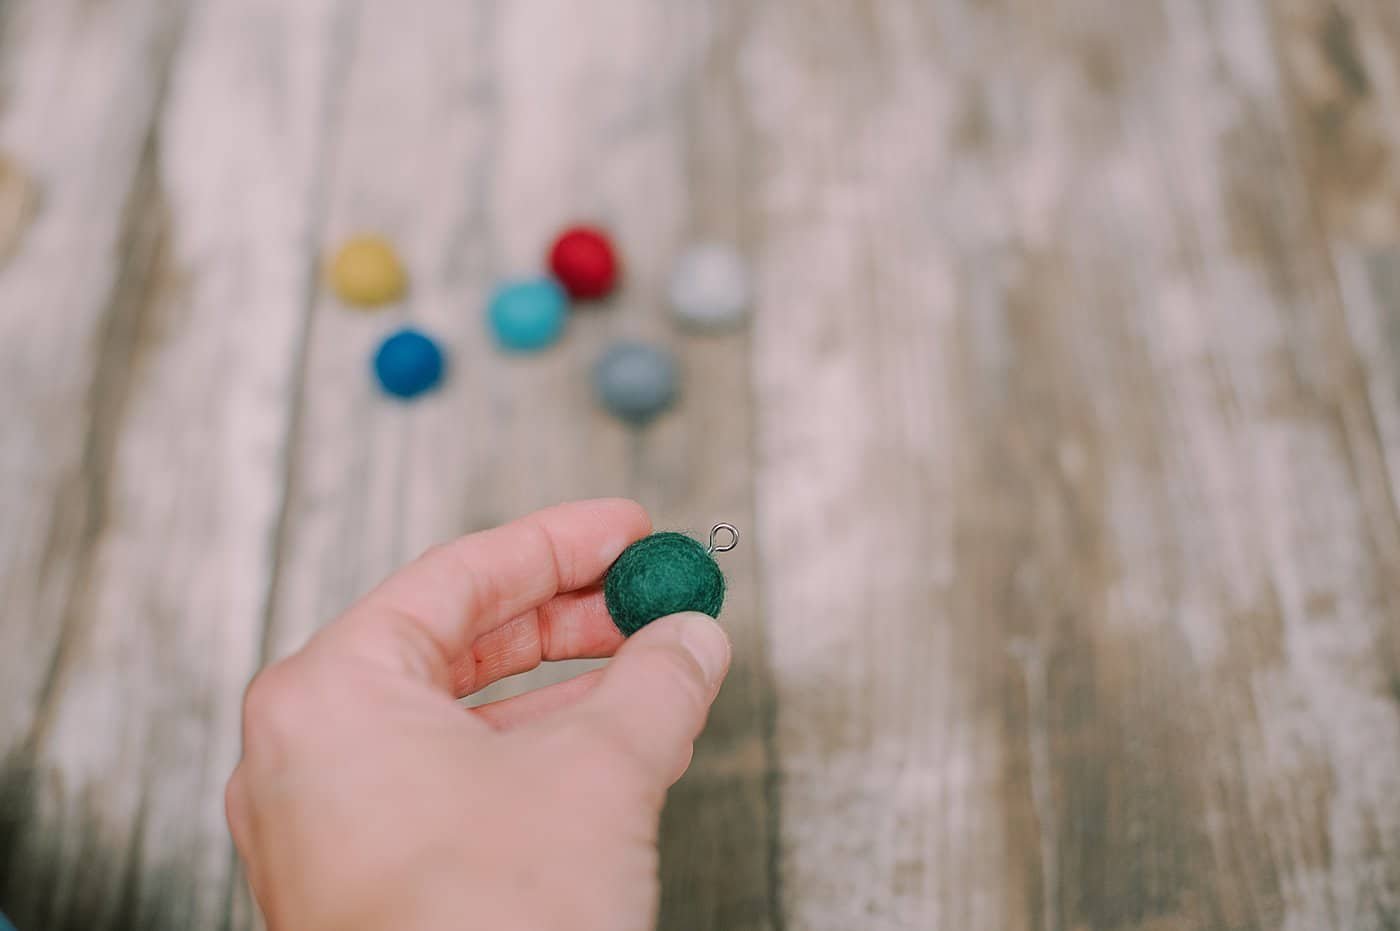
pixel 710 287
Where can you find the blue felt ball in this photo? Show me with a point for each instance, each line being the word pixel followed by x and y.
pixel 635 381
pixel 527 316
pixel 408 363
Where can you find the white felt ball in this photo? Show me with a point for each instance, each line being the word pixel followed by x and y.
pixel 710 286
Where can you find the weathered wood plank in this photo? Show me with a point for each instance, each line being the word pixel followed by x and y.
pixel 123 819
pixel 1079 598
pixel 1341 63
pixel 1078 428
pixel 472 133
pixel 888 730
pixel 79 139
pixel 1317 770
pixel 68 287
pixel 1369 281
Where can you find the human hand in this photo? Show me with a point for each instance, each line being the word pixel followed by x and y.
pixel 368 798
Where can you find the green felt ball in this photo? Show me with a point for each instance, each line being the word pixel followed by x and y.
pixel 662 574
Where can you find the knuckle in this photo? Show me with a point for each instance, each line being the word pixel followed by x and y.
pixel 553 554
pixel 445 560
pixel 274 704
pixel 439 553
pixel 457 561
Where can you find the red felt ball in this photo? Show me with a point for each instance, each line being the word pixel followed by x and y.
pixel 583 260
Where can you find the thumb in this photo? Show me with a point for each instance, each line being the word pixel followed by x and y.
pixel 654 696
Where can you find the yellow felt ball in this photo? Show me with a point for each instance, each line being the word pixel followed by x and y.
pixel 366 272
pixel 19 201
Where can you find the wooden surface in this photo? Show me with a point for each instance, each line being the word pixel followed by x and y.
pixel 1066 435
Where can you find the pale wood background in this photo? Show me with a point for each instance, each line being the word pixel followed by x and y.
pixel 1066 437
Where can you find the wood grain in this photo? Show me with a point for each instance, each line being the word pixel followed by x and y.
pixel 69 299
pixel 57 326
pixel 136 728
pixel 1076 543
pixel 1065 440
pixel 1342 70
pixel 19 198
pixel 1370 290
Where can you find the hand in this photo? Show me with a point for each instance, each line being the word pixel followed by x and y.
pixel 368 798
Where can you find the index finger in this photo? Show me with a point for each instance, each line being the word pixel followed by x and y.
pixel 427 615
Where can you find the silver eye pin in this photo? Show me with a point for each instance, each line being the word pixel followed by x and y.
pixel 715 531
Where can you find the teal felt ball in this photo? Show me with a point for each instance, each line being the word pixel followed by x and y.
pixel 662 574
pixel 527 316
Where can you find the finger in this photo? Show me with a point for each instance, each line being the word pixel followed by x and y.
pixel 426 617
pixel 653 698
pixel 574 625
pixel 522 709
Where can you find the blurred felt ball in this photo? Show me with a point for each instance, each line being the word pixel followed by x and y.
pixel 710 286
pixel 366 272
pixel 585 262
pixel 19 202
pixel 527 316
pixel 636 381
pixel 408 363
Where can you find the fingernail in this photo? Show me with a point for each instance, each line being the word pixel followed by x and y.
pixel 708 643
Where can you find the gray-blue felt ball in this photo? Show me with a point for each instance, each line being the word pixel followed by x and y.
pixel 636 381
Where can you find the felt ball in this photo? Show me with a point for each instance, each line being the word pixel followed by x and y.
pixel 584 261
pixel 527 316
pixel 408 363
pixel 19 203
pixel 636 381
pixel 662 574
pixel 710 286
pixel 366 272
